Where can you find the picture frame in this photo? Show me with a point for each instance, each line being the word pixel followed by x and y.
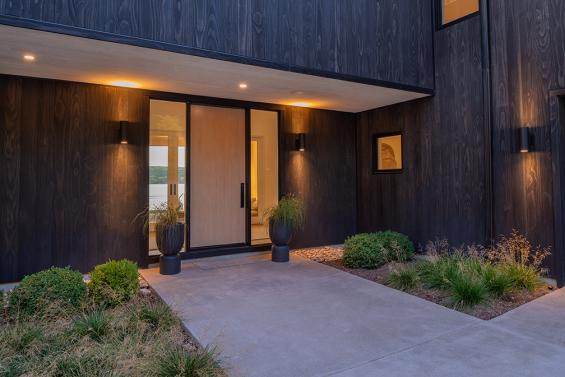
pixel 387 153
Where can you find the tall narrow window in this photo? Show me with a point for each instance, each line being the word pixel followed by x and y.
pixel 167 143
pixel 453 10
pixel 264 172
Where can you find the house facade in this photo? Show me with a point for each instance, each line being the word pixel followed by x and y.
pixel 432 118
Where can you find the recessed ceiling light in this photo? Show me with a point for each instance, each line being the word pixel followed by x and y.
pixel 242 85
pixel 125 84
pixel 29 57
pixel 301 104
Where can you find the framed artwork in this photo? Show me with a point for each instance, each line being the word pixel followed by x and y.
pixel 451 11
pixel 387 153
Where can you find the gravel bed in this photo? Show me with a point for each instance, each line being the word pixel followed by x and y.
pixel 321 254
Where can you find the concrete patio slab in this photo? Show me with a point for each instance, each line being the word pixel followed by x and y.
pixel 482 350
pixel 543 319
pixel 300 318
pixel 305 319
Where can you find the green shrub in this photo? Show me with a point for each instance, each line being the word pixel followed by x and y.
pixel 522 276
pixel 399 247
pixel 403 279
pixel 467 290
pixel 55 286
pixel 364 250
pixel 94 325
pixel 372 250
pixel 114 282
pixel 178 362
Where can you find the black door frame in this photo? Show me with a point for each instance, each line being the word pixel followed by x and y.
pixel 557 116
pixel 217 250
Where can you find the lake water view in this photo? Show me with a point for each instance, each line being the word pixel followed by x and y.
pixel 158 194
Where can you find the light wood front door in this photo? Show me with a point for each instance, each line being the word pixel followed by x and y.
pixel 217 176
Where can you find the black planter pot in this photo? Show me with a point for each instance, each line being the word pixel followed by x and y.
pixel 280 234
pixel 170 239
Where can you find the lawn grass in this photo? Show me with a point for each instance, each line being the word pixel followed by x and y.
pixel 139 338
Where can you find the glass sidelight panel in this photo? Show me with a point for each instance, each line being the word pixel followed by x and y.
pixel 167 145
pixel 264 171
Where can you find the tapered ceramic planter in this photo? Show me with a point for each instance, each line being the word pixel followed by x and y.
pixel 170 239
pixel 280 234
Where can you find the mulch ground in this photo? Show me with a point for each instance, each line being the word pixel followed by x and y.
pixel 332 256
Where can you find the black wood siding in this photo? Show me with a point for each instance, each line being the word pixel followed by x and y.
pixel 441 192
pixel 69 191
pixel 385 40
pixel 528 59
pixel 324 175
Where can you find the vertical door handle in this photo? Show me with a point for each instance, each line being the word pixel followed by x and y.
pixel 242 195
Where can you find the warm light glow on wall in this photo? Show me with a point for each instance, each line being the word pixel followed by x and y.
pixel 125 84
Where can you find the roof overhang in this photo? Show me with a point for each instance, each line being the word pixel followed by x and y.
pixel 72 58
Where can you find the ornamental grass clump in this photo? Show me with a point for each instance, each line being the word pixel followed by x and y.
pixel 472 274
pixel 94 325
pixel 178 362
pixel 404 279
pixel 288 211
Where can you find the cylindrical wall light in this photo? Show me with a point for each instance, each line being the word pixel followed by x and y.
pixel 124 132
pixel 300 142
pixel 524 140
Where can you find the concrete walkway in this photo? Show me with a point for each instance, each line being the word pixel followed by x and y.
pixel 307 319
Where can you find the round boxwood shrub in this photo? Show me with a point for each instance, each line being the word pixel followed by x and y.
pixel 399 247
pixel 372 250
pixel 60 286
pixel 114 282
pixel 364 250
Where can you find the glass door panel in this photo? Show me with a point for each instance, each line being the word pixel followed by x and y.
pixel 264 171
pixel 167 145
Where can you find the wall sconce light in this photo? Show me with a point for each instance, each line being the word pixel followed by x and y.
pixel 124 132
pixel 524 139
pixel 300 142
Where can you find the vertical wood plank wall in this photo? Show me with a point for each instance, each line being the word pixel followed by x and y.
pixel 528 60
pixel 69 191
pixel 388 40
pixel 324 175
pixel 441 192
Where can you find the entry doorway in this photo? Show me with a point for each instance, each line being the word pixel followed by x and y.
pixel 220 165
pixel 217 176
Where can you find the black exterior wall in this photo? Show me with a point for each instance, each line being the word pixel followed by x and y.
pixel 386 42
pixel 69 191
pixel 528 61
pixel 441 191
pixel 464 177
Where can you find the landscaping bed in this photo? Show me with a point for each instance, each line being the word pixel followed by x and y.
pixel 507 286
pixel 56 326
